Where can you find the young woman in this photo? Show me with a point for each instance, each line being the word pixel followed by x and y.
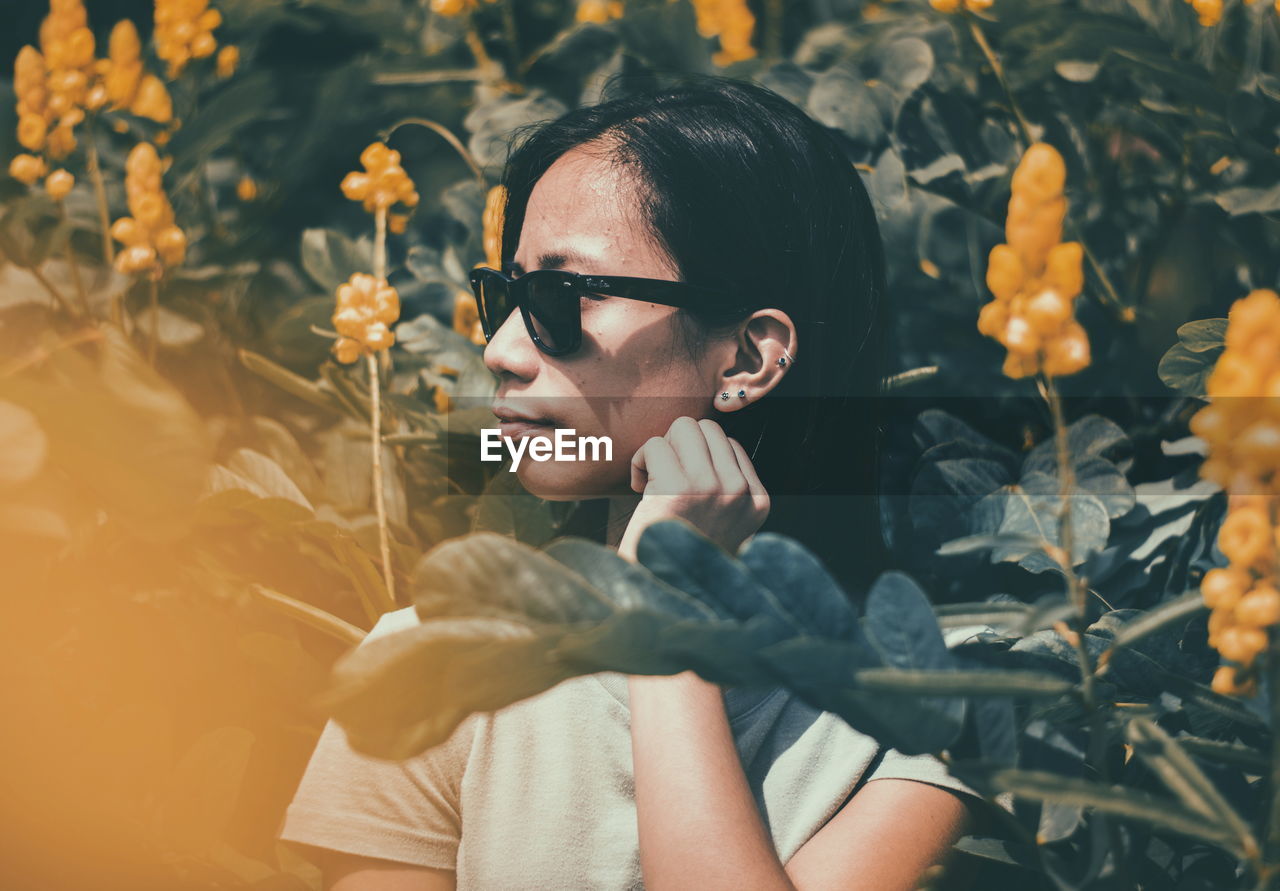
pixel 696 273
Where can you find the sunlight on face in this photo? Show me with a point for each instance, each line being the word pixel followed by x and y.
pixel 630 379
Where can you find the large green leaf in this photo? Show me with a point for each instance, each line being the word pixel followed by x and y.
pixel 1187 364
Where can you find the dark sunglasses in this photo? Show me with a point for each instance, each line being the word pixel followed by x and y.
pixel 550 301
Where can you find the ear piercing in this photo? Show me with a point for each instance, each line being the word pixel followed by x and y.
pixel 724 397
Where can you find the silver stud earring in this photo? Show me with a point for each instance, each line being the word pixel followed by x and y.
pixel 783 362
pixel 724 396
pixel 742 393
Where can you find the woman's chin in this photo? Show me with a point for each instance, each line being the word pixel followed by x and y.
pixel 567 482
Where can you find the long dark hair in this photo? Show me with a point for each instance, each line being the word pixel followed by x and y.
pixel 747 193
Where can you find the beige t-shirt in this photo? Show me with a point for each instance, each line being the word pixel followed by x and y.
pixel 540 794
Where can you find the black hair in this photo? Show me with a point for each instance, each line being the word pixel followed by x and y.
pixel 746 193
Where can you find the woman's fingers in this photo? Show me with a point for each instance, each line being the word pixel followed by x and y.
pixel 722 456
pixel 758 493
pixel 656 462
pixel 689 441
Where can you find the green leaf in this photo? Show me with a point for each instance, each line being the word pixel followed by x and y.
pixel 330 258
pixel 289 382
pixel 1177 610
pixel 1121 801
pixel 1179 772
pixel 1187 364
pixel 960 682
pixel 676 552
pixel 1247 199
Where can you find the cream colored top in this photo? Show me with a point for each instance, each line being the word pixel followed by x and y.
pixel 540 794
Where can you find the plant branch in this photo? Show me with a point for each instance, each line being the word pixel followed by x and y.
pixel 1077 592
pixel 100 192
pixel 375 405
pixel 998 70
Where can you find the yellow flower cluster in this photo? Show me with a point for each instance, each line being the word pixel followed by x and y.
pixel 466 315
pixel 598 11
pixel 151 239
pixel 954 5
pixel 382 184
pixel 367 307
pixel 1036 277
pixel 731 21
pixel 184 31
pixel 54 86
pixel 451 8
pixel 1244 458
pixel 1209 11
pixel 127 85
pixel 495 205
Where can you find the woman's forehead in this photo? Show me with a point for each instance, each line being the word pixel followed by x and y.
pixel 582 216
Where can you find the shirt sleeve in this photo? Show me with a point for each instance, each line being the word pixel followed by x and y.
pixel 921 768
pixel 407 811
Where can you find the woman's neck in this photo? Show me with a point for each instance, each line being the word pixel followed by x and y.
pixel 621 507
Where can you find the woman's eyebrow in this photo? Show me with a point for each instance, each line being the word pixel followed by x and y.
pixel 552 260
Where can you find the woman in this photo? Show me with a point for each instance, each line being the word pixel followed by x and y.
pixel 736 385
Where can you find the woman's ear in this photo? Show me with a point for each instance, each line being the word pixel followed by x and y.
pixel 764 338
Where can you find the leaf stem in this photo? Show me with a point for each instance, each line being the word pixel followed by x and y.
pixel 774 15
pixel 1077 592
pixel 446 134
pixel 998 70
pixel 53 291
pixel 310 615
pixel 375 406
pixel 100 192
pixel 76 279
pixel 154 291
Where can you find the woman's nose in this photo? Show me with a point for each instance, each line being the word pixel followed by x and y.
pixel 512 350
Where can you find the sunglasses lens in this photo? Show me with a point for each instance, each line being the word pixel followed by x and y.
pixel 494 302
pixel 555 310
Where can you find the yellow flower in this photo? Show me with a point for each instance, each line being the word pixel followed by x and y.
pixel 228 61
pixel 151 237
pixel 27 168
pixel 59 184
pixel 598 11
pixel 367 308
pixel 383 181
pixel 732 22
pixel 1035 277
pixel 184 31
pixel 494 207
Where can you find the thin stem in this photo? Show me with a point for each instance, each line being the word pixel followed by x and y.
pixel 75 267
pixel 375 405
pixel 998 70
pixel 53 292
pixel 379 497
pixel 448 137
pixel 40 353
pixel 1076 590
pixel 154 288
pixel 100 192
pixel 773 11
pixel 317 618
pixel 509 27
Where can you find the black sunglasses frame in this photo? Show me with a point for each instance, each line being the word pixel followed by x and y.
pixel 649 290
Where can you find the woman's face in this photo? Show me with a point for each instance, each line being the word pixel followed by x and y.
pixel 630 379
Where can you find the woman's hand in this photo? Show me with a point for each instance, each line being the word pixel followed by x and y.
pixel 697 473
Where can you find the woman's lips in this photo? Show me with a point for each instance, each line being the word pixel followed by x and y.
pixel 516 428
